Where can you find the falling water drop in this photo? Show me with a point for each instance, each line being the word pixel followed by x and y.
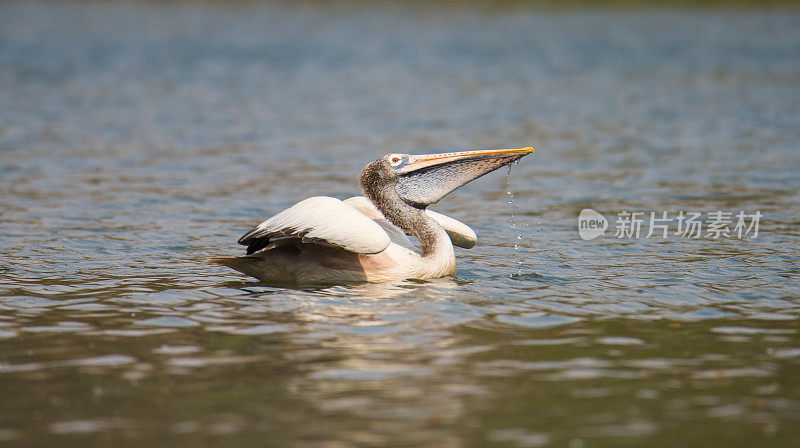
pixel 514 212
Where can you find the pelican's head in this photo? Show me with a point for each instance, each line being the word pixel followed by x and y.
pixel 422 180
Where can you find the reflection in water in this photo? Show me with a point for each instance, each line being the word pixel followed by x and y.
pixel 141 139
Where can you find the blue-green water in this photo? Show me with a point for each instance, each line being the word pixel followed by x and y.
pixel 138 140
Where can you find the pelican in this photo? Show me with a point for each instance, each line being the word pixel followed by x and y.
pixel 323 240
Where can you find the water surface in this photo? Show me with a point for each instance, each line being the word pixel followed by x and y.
pixel 138 140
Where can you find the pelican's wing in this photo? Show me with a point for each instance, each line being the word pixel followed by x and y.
pixel 395 233
pixel 320 220
pixel 460 234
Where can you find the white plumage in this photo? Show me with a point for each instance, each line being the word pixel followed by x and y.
pixel 354 225
pixel 460 234
pixel 323 220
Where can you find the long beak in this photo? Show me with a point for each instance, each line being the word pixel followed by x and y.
pixel 425 179
pixel 418 162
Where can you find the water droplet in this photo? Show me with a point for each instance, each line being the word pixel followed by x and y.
pixel 514 211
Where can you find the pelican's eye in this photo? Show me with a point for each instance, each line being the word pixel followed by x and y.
pixel 395 160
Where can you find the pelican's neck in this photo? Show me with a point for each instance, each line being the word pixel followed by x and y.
pixel 432 237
